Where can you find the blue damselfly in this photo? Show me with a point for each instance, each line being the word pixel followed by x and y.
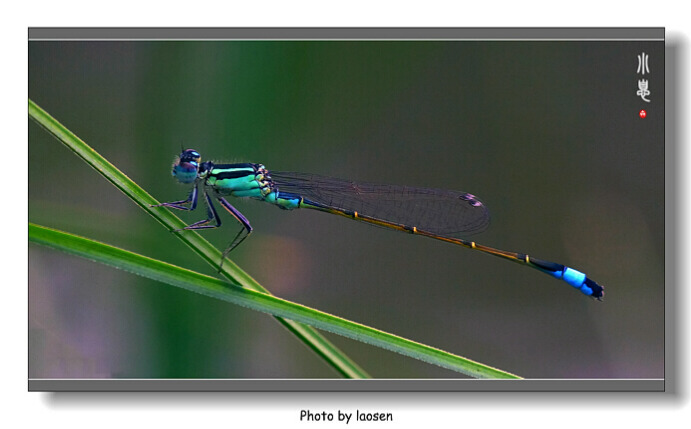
pixel 434 213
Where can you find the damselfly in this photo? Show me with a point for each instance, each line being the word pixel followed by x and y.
pixel 439 214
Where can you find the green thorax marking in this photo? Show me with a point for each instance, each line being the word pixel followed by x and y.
pixel 239 180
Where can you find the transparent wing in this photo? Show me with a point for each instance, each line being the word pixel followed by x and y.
pixel 441 212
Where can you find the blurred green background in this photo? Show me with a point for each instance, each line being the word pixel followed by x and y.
pixel 547 134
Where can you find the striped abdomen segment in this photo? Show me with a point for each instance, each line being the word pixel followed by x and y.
pixel 571 276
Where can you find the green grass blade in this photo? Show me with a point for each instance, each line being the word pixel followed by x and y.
pixel 313 339
pixel 213 287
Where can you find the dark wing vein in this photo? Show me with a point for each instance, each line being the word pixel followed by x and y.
pixel 441 212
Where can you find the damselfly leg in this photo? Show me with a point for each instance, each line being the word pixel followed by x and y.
pixel 246 227
pixel 191 198
pixel 212 216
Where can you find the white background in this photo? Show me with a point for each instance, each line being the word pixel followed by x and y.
pixel 173 410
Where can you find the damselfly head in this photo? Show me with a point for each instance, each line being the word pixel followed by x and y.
pixel 186 166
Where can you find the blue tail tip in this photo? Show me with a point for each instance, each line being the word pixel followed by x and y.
pixel 596 291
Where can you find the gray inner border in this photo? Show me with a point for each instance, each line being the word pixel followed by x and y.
pixel 341 385
pixel 397 385
pixel 346 33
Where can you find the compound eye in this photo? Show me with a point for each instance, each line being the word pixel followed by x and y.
pixel 186 166
pixel 190 155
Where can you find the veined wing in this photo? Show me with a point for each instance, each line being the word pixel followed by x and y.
pixel 441 212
